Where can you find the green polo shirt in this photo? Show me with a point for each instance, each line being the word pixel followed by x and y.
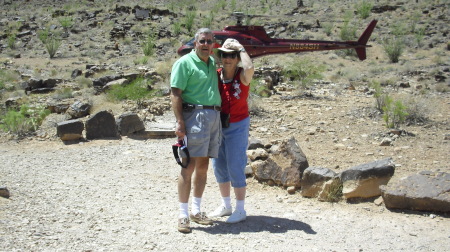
pixel 197 80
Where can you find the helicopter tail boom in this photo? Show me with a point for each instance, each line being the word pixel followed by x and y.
pixel 361 51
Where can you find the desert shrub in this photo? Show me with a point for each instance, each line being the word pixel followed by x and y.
pixel 52 44
pixel 417 109
pixel 394 112
pixel 189 20
pixel 419 34
pixel 64 93
pixel 176 28
pixel 66 22
pixel 84 82
pixel 380 96
pixel 328 28
pixel 442 88
pixel 364 8
pixel 141 60
pixel 394 47
pixel 24 121
pixel 43 35
pixel 303 70
pixel 148 45
pixel 207 21
pixel 137 90
pixel 259 88
pixel 11 40
pixel 334 193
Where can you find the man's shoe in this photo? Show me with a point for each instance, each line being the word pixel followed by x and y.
pixel 237 216
pixel 183 225
pixel 221 211
pixel 201 218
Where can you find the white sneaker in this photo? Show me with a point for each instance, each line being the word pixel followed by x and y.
pixel 237 216
pixel 221 211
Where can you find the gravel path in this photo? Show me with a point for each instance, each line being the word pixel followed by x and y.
pixel 120 195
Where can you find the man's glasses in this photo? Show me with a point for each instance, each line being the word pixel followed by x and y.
pixel 203 41
pixel 229 55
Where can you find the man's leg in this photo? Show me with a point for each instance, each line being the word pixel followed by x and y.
pixel 200 177
pixel 184 182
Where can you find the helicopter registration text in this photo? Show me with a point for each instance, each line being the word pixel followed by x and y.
pixel 304 46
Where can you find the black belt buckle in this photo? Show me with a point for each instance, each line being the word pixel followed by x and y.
pixel 188 107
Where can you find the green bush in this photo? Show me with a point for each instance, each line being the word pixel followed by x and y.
pixel 419 34
pixel 394 47
pixel 364 9
pixel 189 21
pixel 12 41
pixel 394 112
pixel 43 35
pixel 176 28
pixel 24 121
pixel 259 88
pixel 52 45
pixel 380 97
pixel 137 90
pixel 334 193
pixel 66 22
pixel 148 45
pixel 305 71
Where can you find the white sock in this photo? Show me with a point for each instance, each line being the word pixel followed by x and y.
pixel 226 202
pixel 184 210
pixel 196 205
pixel 240 205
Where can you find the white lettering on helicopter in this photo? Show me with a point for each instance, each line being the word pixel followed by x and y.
pixel 304 47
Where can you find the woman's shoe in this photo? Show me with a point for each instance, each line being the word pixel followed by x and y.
pixel 237 216
pixel 221 211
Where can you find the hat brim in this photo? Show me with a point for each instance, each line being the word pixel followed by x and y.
pixel 226 49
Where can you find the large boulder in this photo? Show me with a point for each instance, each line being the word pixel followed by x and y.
pixel 363 181
pixel 78 109
pixel 70 130
pixel 425 191
pixel 101 125
pixel 313 180
pixel 129 123
pixel 284 166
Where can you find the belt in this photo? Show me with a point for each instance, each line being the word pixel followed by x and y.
pixel 187 106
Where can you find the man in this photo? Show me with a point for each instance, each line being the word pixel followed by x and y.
pixel 196 104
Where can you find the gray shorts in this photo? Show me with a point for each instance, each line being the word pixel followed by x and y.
pixel 204 132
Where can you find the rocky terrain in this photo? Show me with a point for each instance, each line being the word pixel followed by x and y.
pixel 111 195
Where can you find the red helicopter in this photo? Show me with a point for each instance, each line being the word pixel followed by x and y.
pixel 257 43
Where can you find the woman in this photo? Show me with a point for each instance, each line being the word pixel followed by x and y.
pixel 229 167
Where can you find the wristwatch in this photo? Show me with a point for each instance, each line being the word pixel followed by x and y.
pixel 242 49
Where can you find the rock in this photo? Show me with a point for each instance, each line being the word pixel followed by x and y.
pixel 101 125
pixel 4 192
pixel 119 82
pixel 363 181
pixel 78 109
pixel 129 123
pixel 425 191
pixel 76 73
pixel 258 154
pixel 313 180
pixel 291 189
pixel 386 141
pixel 284 168
pixel 70 130
pixel 254 144
pixel 378 201
pixel 331 190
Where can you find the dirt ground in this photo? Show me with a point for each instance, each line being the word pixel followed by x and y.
pixel 115 195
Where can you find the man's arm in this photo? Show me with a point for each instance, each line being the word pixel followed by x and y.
pixel 177 107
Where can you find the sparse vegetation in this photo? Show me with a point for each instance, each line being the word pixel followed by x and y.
pixel 394 112
pixel 26 120
pixel 138 90
pixel 12 41
pixel 52 44
pixel 394 46
pixel 304 71
pixel 364 8
pixel 148 45
pixel 334 193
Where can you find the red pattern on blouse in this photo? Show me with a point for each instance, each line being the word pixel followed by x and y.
pixel 234 97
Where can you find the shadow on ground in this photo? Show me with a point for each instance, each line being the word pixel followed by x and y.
pixel 256 224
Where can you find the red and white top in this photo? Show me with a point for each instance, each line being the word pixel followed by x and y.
pixel 234 97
